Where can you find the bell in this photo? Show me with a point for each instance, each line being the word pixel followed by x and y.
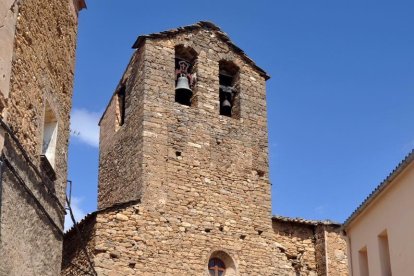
pixel 182 84
pixel 183 92
pixel 226 108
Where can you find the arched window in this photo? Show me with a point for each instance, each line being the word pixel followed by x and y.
pixel 216 267
pixel 229 79
pixel 185 75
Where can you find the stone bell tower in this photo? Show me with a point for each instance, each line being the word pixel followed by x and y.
pixel 185 134
pixel 188 117
pixel 183 177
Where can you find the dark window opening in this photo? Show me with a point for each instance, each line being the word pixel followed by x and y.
pixel 121 105
pixel 185 67
pixel 228 92
pixel 260 173
pixel 216 267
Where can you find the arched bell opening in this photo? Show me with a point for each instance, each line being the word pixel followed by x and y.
pixel 229 89
pixel 185 76
pixel 221 264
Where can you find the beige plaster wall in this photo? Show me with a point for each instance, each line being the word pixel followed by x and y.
pixel 391 211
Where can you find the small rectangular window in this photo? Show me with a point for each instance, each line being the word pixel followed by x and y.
pixel 384 251
pixel 363 262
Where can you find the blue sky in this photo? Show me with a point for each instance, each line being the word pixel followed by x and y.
pixel 340 100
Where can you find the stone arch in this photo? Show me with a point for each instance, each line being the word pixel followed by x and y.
pixel 230 264
pixel 229 92
pixel 185 74
pixel 186 52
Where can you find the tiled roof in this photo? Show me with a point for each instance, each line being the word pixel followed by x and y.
pixel 80 223
pixel 202 25
pixel 384 184
pixel 305 221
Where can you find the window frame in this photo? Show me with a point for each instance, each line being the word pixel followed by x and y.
pixel 218 266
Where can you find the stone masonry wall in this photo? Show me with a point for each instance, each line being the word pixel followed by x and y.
pixel 133 241
pixel 120 155
pixel 42 70
pixel 297 241
pixel 128 240
pixel 74 259
pixel 320 250
pixel 336 252
pixel 313 247
pixel 331 251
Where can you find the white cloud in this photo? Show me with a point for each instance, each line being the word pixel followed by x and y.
pixel 78 213
pixel 84 126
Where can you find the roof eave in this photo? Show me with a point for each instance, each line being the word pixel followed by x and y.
pixel 379 189
pixel 305 221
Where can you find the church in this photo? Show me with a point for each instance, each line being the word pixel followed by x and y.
pixel 184 175
pixel 183 172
